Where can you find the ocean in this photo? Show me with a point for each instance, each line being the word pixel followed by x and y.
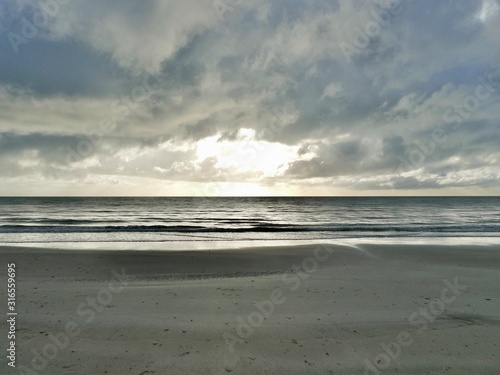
pixel 198 222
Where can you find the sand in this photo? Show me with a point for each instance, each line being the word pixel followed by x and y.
pixel 332 309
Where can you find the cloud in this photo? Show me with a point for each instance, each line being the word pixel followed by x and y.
pixel 136 34
pixel 265 94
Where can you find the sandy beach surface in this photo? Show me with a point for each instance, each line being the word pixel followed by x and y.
pixel 318 309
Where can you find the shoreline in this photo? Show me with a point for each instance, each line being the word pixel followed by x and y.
pixel 209 245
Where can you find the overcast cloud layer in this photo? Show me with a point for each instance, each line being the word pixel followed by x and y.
pixel 231 97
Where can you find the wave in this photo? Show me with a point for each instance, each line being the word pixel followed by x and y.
pixel 365 228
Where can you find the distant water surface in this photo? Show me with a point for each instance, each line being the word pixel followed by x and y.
pixel 120 220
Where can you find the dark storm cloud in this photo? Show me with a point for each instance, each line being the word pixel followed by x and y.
pixel 349 158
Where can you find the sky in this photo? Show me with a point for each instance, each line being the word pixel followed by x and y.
pixel 254 97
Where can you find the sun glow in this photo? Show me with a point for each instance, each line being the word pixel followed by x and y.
pixel 247 164
pixel 246 155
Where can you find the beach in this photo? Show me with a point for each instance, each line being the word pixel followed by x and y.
pixel 312 309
